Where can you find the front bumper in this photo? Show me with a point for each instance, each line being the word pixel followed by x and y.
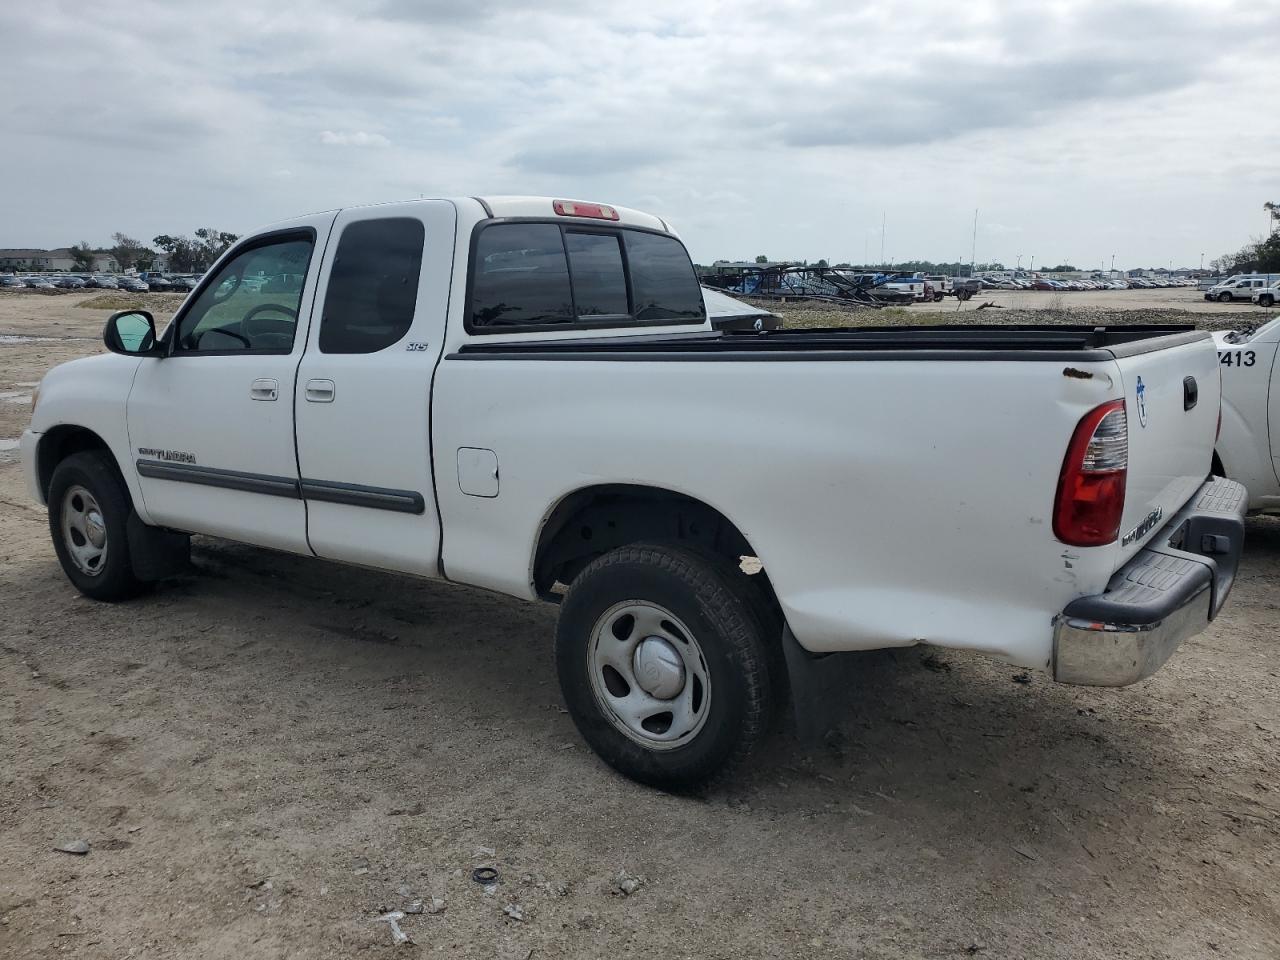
pixel 1169 591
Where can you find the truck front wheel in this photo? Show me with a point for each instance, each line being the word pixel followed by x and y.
pixel 663 663
pixel 89 510
pixel 1224 297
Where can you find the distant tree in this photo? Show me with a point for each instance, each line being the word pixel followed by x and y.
pixel 1061 268
pixel 1260 257
pixel 1273 208
pixel 821 263
pixel 82 254
pixel 762 259
pixel 127 250
pixel 211 243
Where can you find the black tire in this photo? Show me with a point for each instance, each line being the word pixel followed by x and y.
pixel 98 475
pixel 1224 297
pixel 725 621
pixel 1266 300
pixel 937 297
pixel 965 294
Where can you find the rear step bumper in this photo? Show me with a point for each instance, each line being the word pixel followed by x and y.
pixel 1168 592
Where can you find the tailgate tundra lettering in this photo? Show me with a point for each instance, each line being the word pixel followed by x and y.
pixel 1142 529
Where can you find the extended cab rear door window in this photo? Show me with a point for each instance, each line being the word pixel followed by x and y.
pixel 373 285
pixel 535 275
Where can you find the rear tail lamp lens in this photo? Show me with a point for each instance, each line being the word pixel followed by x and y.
pixel 1091 487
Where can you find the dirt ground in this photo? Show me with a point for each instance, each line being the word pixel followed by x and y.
pixel 269 753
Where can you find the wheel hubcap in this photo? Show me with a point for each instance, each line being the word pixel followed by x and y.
pixel 648 674
pixel 84 531
pixel 658 668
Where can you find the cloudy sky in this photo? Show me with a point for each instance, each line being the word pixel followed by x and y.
pixel 1079 129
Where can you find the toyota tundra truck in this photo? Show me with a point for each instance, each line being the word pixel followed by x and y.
pixel 526 396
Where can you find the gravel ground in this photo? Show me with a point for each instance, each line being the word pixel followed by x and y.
pixel 268 754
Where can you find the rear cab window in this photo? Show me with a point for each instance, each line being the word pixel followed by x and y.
pixel 534 275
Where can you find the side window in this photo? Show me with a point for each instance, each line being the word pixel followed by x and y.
pixel 252 303
pixel 599 281
pixel 521 276
pixel 373 285
pixel 663 283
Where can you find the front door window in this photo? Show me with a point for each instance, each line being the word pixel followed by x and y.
pixel 252 303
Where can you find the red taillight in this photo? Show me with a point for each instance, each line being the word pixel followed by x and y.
pixel 1090 498
pixel 572 208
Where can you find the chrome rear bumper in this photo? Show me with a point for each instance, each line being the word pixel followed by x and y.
pixel 1169 591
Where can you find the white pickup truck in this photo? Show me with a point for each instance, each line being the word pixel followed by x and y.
pixel 527 396
pixel 1248 447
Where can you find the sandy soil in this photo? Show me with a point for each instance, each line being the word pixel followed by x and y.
pixel 267 754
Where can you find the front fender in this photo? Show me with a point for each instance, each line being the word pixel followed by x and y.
pixel 92 394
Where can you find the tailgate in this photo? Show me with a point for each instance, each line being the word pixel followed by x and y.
pixel 1172 396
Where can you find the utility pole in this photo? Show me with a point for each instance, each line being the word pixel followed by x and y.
pixel 883 218
pixel 973 250
pixel 1019 267
pixel 1032 268
pixel 1113 263
pixel 1201 261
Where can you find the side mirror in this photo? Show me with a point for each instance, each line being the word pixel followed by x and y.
pixel 133 333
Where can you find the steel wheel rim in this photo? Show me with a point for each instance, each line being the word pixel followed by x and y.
pixel 648 675
pixel 84 530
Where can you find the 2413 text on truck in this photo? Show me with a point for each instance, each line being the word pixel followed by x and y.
pixel 525 395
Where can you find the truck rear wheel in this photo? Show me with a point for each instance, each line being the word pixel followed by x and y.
pixel 663 663
pixel 89 511
pixel 1266 300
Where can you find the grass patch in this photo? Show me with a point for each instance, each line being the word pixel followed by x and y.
pixel 128 301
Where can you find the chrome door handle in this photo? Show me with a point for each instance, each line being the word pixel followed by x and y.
pixel 320 391
pixel 264 389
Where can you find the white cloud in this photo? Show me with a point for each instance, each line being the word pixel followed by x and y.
pixel 1080 128
pixel 356 139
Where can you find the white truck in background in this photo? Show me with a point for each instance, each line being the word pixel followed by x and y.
pixel 1242 286
pixel 1248 448
pixel 527 395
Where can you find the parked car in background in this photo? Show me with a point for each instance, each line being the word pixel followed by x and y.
pixel 101 283
pixel 157 283
pixel 70 283
pixel 12 283
pixel 133 285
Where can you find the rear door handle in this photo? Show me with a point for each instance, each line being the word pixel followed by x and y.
pixel 1190 393
pixel 264 389
pixel 319 391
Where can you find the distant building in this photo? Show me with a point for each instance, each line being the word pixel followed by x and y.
pixel 59 260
